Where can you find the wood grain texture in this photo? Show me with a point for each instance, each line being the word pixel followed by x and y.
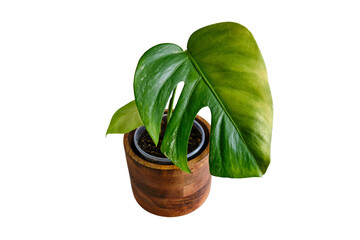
pixel 165 190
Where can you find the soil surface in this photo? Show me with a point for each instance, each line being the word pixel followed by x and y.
pixel 147 144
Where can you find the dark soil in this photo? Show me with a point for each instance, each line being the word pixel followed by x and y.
pixel 147 144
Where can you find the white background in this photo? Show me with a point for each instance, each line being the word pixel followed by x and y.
pixel 67 66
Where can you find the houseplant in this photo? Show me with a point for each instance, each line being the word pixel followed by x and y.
pixel 223 69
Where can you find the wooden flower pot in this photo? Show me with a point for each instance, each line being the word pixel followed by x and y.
pixel 165 190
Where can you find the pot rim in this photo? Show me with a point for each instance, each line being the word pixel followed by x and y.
pixel 166 161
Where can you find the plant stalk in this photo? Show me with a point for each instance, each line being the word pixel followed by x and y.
pixel 171 103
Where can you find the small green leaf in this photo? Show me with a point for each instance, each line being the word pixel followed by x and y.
pixel 125 119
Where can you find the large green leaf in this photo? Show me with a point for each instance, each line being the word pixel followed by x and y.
pixel 125 119
pixel 224 70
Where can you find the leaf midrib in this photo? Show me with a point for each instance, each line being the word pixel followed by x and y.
pixel 221 104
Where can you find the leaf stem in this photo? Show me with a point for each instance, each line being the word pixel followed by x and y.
pixel 171 103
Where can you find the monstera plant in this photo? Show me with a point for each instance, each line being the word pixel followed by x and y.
pixel 222 69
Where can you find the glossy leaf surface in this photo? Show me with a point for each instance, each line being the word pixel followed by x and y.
pixel 224 70
pixel 125 119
